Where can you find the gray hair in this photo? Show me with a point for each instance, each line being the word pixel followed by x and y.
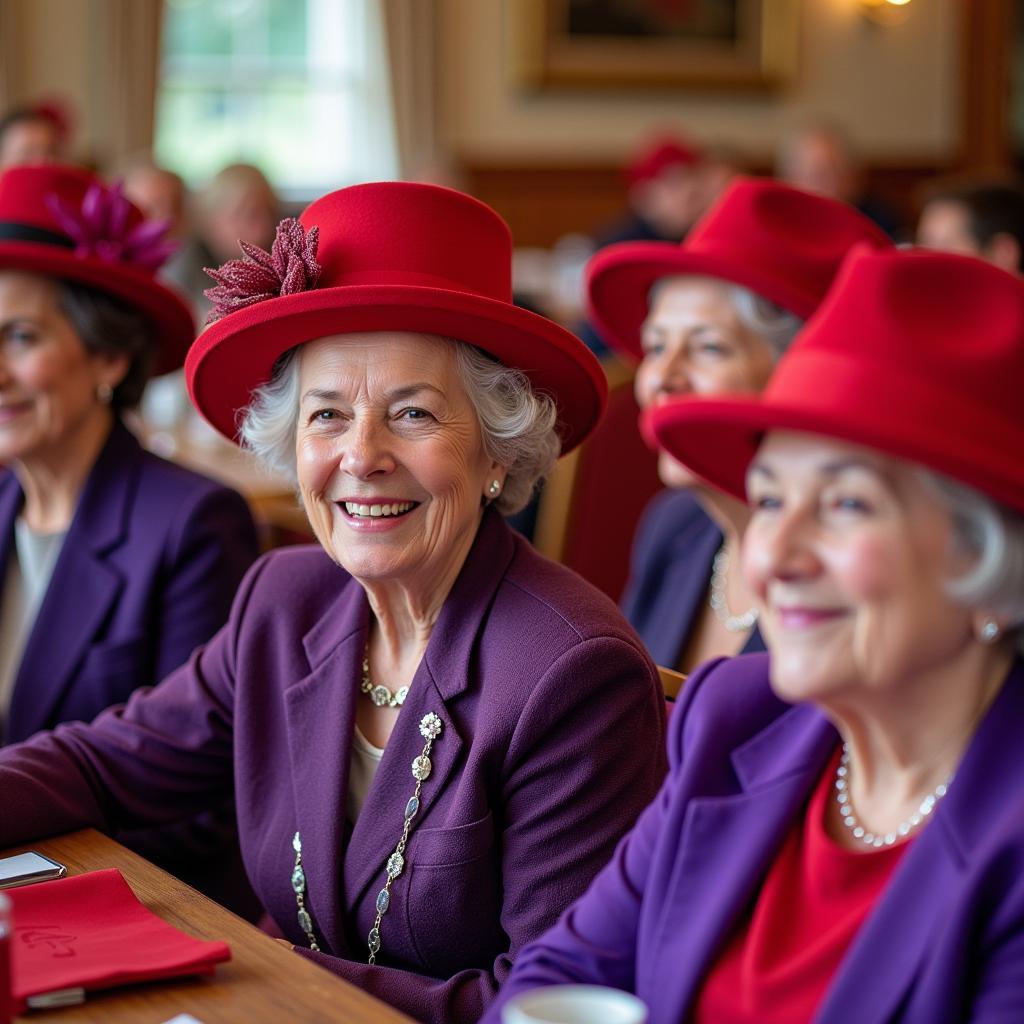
pixel 777 326
pixel 517 423
pixel 993 535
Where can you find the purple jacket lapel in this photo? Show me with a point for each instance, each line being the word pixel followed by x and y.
pixel 441 677
pixel 11 500
pixel 321 718
pixel 321 722
pixel 83 587
pixel 727 844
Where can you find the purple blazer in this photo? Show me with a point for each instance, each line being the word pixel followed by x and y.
pixel 669 571
pixel 552 743
pixel 147 572
pixel 945 942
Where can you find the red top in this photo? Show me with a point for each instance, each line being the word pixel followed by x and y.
pixel 781 959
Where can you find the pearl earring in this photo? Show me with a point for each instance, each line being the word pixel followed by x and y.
pixel 104 392
pixel 494 488
pixel 989 631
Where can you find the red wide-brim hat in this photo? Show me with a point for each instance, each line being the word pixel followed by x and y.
pixel 916 354
pixel 393 256
pixel 780 242
pixel 109 246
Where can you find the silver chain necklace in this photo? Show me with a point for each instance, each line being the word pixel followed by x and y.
pixel 902 830
pixel 720 603
pixel 380 694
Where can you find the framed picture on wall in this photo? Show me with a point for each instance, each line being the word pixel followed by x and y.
pixel 748 44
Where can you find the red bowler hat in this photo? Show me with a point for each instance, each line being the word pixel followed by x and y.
pixel 780 242
pixel 389 256
pixel 916 354
pixel 65 223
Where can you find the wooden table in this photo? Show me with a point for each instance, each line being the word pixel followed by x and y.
pixel 263 981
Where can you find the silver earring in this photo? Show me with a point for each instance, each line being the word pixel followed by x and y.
pixel 494 488
pixel 989 631
pixel 104 392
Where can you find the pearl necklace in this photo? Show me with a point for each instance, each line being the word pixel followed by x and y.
pixel 902 830
pixel 380 694
pixel 720 603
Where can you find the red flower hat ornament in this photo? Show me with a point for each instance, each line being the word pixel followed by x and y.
pixel 289 267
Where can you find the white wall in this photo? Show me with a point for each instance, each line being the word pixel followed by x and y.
pixel 895 89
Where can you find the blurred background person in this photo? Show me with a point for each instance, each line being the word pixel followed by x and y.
pixel 36 134
pixel 976 218
pixel 664 193
pixel 238 203
pixel 821 158
pixel 707 317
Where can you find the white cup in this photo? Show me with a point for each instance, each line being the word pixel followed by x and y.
pixel 575 1004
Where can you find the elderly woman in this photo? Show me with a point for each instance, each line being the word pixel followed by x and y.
pixel 114 565
pixel 708 317
pixel 436 737
pixel 841 836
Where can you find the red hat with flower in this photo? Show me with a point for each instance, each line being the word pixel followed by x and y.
pixel 65 223
pixel 387 256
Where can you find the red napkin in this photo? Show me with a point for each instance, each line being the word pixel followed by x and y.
pixel 89 931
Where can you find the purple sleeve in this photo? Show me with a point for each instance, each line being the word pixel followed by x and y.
pixel 163 757
pixel 595 940
pixel 216 546
pixel 577 777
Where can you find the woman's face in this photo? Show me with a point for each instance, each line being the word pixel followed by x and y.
pixel 48 381
pixel 849 554
pixel 390 457
pixel 694 343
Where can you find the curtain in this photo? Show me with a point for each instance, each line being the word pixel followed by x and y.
pixel 11 44
pixel 410 27
pixel 127 74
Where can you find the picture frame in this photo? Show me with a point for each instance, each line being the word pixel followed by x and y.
pixel 653 44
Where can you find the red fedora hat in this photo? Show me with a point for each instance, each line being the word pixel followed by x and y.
pixel 389 256
pixel 780 242
pixel 65 223
pixel 916 354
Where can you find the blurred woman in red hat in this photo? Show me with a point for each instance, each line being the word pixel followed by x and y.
pixel 712 316
pixel 83 509
pixel 841 835
pixel 114 564
pixel 436 736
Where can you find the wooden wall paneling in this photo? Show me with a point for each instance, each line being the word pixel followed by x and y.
pixel 987 53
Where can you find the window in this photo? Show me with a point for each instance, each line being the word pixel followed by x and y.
pixel 297 87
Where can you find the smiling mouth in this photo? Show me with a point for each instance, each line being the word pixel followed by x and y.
pixel 803 618
pixel 379 510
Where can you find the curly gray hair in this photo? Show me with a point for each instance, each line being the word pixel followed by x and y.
pixel 993 536
pixel 516 422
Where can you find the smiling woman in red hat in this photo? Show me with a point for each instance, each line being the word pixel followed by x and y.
pixel 114 564
pixel 841 836
pixel 436 736
pixel 712 316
